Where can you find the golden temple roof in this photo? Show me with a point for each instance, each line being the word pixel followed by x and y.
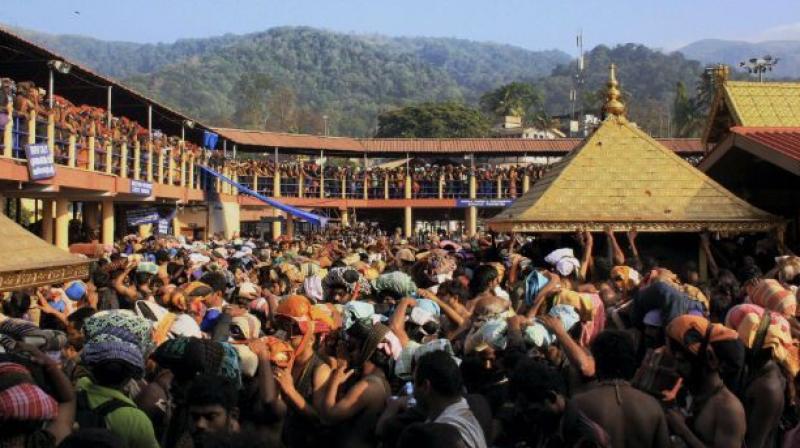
pixel 27 261
pixel 753 104
pixel 622 178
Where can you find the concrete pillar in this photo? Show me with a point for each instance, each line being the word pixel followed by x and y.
pixel 321 183
pixel 471 221
pixel 123 160
pixel 51 132
pixel 290 226
pixel 345 216
pixel 441 187
pixel 161 167
pixel 526 183
pixel 276 229
pixel 407 187
pixel 344 187
pixel 71 151
pixel 499 187
pixel 183 169
pixel 472 212
pixel 62 223
pixel 301 181
pixel 107 236
pixel 385 187
pixel 137 162
pixel 47 220
pixel 366 188
pixel 408 222
pixel 255 182
pixel 8 132
pixel 110 158
pixel 32 128
pixel 176 226
pixel 145 230
pixel 171 167
pixel 191 172
pixel 149 161
pixel 92 142
pixel 276 184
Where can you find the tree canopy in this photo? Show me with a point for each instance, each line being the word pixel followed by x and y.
pixel 433 120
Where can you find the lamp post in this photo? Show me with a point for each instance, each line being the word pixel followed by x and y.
pixel 55 65
pixel 186 124
pixel 759 65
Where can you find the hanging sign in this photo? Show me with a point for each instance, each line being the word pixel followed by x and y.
pixel 141 188
pixel 483 203
pixel 40 161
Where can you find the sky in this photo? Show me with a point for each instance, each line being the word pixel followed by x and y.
pixel 532 24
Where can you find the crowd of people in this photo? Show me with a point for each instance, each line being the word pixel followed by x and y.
pixel 29 102
pixel 425 179
pixel 355 339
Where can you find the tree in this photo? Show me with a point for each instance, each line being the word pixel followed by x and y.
pixel 251 93
pixel 433 120
pixel 516 99
pixel 282 110
pixel 690 114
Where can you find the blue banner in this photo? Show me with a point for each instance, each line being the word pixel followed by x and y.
pixel 210 140
pixel 40 161
pixel 483 203
pixel 141 188
pixel 139 216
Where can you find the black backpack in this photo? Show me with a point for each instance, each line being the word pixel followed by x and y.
pixel 86 417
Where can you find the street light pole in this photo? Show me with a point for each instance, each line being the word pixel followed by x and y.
pixel 50 90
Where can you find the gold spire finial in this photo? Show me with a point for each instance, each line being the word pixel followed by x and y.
pixel 613 105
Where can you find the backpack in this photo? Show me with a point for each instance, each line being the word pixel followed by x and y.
pixel 86 417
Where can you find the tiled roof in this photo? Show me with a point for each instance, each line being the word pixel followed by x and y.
pixel 768 104
pixel 425 145
pixel 622 178
pixel 783 140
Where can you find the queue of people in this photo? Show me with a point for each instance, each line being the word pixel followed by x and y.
pixel 425 179
pixel 351 338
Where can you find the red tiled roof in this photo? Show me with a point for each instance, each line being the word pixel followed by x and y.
pixel 425 145
pixel 782 140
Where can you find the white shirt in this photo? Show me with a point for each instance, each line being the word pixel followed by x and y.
pixel 460 415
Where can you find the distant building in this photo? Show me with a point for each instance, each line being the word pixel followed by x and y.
pixel 511 127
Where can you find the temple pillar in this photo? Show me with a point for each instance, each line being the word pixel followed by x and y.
pixel 526 183
pixel 255 182
pixel 385 187
pixel 32 128
pixel 276 184
pixel 366 188
pixel 191 172
pixel 290 226
pixel 171 167
pixel 176 226
pixel 51 132
pixel 107 236
pixel 499 187
pixel 161 166
pixel 47 220
pixel 71 151
pixel 407 187
pixel 8 132
pixel 149 161
pixel 137 163
pixel 471 220
pixel 62 223
pixel 110 158
pixel 344 187
pixel 345 216
pixel 300 185
pixel 408 223
pixel 276 229
pixel 183 169
pixel 92 141
pixel 321 183
pixel 702 264
pixel 123 160
pixel 441 187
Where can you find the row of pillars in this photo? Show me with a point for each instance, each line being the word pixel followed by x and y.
pixel 185 171
pixel 276 186
pixel 56 217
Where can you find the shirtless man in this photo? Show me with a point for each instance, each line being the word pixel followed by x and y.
pixel 763 398
pixel 355 413
pixel 630 417
pixel 718 416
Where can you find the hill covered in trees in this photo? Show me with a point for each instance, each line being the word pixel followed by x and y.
pixel 288 78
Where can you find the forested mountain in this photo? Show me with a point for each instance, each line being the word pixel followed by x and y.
pixel 288 78
pixel 712 51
